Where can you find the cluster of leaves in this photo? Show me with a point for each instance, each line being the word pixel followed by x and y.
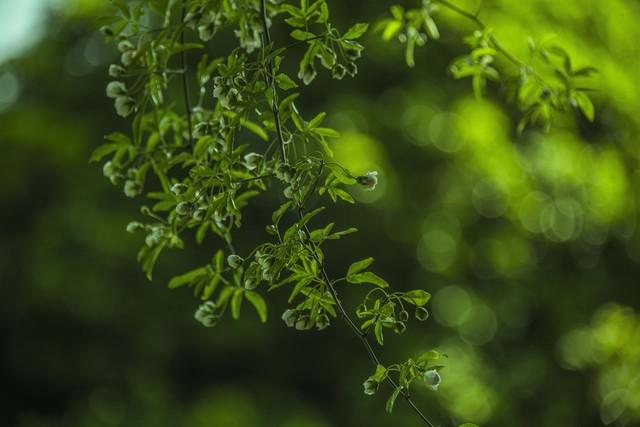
pixel 201 167
pixel 424 370
pixel 545 84
pixel 239 139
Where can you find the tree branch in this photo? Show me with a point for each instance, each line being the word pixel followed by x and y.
pixel 185 78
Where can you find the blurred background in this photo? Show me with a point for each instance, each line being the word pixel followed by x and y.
pixel 529 244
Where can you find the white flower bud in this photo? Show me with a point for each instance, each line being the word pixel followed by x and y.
pixel 251 160
pixel 368 180
pixel 116 70
pixel 131 188
pixel 116 89
pixel 206 314
pixel 178 189
pixel 432 379
pixel 125 46
pixel 134 226
pixel 124 105
pixel 289 317
pixel 234 261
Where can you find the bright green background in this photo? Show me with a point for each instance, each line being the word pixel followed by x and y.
pixel 530 244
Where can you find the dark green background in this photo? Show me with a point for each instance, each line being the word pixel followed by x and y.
pixel 529 244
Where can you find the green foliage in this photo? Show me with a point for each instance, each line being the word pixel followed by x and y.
pixel 239 139
pixel 545 84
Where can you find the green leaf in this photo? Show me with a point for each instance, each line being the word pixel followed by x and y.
pixel 392 400
pixel 417 297
pixel 356 31
pixel 102 151
pixel 380 374
pixel 285 82
pixel 255 128
pixel 328 132
pixel 585 105
pixel 187 277
pixel 279 213
pixel 368 277
pixel 259 304
pixel 302 35
pixel 359 266
pixel 236 303
pixel 313 123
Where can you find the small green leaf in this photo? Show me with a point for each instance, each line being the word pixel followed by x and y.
pixel 285 82
pixel 302 35
pixel 236 303
pixel 359 266
pixel 102 151
pixel 417 297
pixel 255 128
pixel 187 277
pixel 356 31
pixel 585 105
pixel 368 277
pixel 258 303
pixel 392 400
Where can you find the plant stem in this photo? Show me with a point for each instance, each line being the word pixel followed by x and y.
pixel 494 41
pixel 185 78
pixel 375 360
pixel 269 79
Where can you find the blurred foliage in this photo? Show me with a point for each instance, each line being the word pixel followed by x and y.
pixel 523 239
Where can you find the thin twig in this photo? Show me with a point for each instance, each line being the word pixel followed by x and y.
pixel 494 41
pixel 269 79
pixel 185 78
pixel 375 360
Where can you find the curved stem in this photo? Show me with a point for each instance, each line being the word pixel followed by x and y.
pixel 494 41
pixel 269 79
pixel 185 78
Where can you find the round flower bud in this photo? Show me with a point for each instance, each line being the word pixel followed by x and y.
pixel 432 379
pixel 131 188
pixel 125 46
pixel 399 327
pixel 124 105
pixel 289 317
pixel 368 180
pixel 108 169
pixel 338 72
pixel 207 315
pixel 144 210
pixel 422 314
pixel 404 315
pixel 106 30
pixel 134 226
pixel 127 58
pixel 234 261
pixel 302 323
pixel 251 160
pixel 116 70
pixel 288 193
pixel 250 284
pixel 116 89
pixel 272 229
pixel 322 322
pixel 178 189
pixel 370 386
pixel 183 208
